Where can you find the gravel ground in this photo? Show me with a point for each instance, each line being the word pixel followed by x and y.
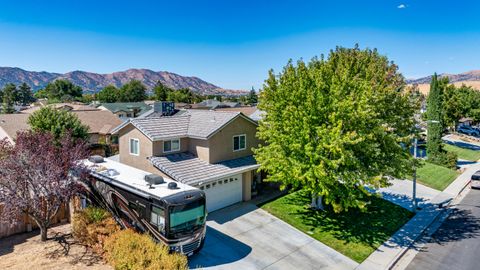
pixel 26 251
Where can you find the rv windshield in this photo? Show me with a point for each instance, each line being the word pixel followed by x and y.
pixel 184 219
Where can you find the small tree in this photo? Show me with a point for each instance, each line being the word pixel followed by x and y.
pixel 109 94
pixel 161 91
pixel 435 117
pixel 10 95
pixel 58 122
pixel 252 97
pixel 36 178
pixel 133 91
pixel 25 94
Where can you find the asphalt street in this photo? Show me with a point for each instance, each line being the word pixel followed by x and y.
pixel 456 244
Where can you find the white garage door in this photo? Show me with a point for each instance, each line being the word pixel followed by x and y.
pixel 223 192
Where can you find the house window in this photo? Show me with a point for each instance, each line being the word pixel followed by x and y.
pixel 134 147
pixel 239 142
pixel 171 145
pixel 157 217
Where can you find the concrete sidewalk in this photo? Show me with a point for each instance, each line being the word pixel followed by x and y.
pixel 392 250
pixel 400 193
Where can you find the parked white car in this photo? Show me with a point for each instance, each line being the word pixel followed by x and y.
pixel 475 180
pixel 468 130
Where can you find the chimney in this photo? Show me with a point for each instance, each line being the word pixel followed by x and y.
pixel 165 108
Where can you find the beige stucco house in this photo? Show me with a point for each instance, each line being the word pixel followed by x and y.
pixel 210 150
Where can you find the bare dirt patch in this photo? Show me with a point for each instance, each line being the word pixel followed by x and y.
pixel 26 251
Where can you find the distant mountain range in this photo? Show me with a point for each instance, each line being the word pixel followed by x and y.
pixel 473 75
pixel 94 82
pixel 470 78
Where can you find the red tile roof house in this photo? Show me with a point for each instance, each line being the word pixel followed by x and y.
pixel 210 150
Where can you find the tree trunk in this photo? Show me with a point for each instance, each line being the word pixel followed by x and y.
pixel 43 233
pixel 43 228
pixel 317 202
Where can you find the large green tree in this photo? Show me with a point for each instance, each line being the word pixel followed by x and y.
pixel 133 91
pixel 62 90
pixel 58 122
pixel 161 91
pixel 109 94
pixel 10 95
pixel 335 126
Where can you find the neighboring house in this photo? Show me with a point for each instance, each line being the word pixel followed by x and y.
pixel 63 106
pixel 100 123
pixel 211 104
pixel 126 110
pixel 211 150
pixel 251 111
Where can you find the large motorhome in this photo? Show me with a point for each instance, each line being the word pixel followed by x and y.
pixel 171 212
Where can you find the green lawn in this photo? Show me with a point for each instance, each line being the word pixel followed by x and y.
pixel 463 153
pixel 435 176
pixel 356 234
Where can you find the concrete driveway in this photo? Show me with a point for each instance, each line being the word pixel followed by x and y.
pixel 246 237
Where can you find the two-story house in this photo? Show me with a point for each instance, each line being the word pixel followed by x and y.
pixel 211 150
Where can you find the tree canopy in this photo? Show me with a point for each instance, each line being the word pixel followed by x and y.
pixel 61 90
pixel 133 91
pixel 252 97
pixel 333 126
pixel 35 176
pixel 161 91
pixel 25 94
pixel 458 102
pixel 109 94
pixel 9 96
pixel 58 122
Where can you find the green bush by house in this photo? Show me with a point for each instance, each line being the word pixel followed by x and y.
pixel 128 250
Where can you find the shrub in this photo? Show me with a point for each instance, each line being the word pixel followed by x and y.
pixel 128 250
pixel 91 226
pixel 445 159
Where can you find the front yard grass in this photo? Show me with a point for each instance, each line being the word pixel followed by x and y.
pixel 435 176
pixel 354 233
pixel 463 153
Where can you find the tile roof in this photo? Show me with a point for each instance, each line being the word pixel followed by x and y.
pixel 190 123
pixel 126 106
pixel 12 123
pixel 188 169
pixel 101 122
pixel 247 110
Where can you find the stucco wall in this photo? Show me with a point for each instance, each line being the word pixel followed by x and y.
pixel 247 186
pixel 200 148
pixel 221 144
pixel 146 149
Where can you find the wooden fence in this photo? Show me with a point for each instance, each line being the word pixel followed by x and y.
pixel 9 227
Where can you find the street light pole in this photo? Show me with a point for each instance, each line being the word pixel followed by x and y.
pixel 414 176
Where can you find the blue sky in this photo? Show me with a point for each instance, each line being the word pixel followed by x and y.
pixel 234 43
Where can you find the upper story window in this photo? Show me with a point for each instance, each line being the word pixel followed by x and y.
pixel 239 142
pixel 134 147
pixel 171 145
